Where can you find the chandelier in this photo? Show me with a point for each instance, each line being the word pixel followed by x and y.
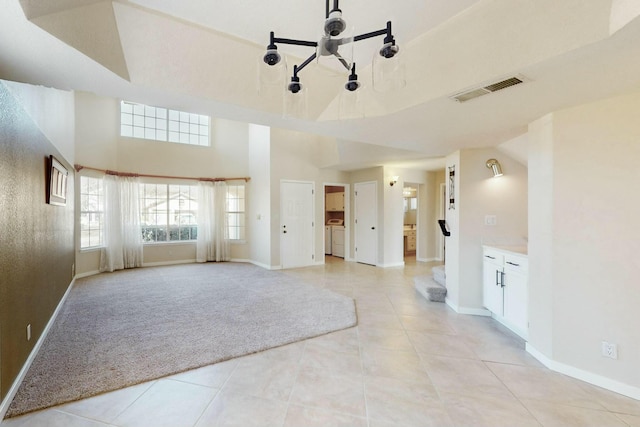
pixel 329 45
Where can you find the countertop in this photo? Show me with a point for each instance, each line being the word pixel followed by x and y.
pixel 515 250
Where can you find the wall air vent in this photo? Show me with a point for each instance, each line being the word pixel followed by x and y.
pixel 470 94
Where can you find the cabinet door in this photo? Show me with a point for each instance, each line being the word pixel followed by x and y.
pixel 492 296
pixel 516 295
pixel 330 203
pixel 515 300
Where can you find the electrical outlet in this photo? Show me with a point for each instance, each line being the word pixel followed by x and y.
pixel 490 220
pixel 29 332
pixel 609 350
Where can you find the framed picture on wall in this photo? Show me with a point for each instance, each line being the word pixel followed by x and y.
pixel 57 185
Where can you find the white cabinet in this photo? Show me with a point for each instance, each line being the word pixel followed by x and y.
pixel 409 241
pixel 516 296
pixel 334 202
pixel 505 288
pixel 492 283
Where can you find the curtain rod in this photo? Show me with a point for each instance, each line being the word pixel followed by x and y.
pixel 78 168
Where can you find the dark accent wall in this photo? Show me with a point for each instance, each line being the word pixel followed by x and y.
pixel 36 239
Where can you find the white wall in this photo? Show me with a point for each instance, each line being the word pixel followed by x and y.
pixel 592 156
pixel 296 156
pixel 452 248
pixel 392 243
pixel 541 234
pixel 259 201
pixel 49 108
pixel 479 194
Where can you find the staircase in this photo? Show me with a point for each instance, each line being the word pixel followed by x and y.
pixel 432 287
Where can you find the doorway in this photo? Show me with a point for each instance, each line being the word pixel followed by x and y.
pixel 336 228
pixel 410 223
pixel 296 224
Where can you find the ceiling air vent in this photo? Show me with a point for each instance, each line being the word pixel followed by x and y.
pixel 484 90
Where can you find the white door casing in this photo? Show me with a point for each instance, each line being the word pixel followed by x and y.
pixel 296 224
pixel 366 222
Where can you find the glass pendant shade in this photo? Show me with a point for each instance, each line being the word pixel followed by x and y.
pixel 296 104
pixel 388 73
pixel 351 105
pixel 271 78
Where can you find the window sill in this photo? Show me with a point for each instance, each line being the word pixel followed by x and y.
pixel 91 249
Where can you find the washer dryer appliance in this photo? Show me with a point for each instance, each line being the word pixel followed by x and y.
pixel 337 237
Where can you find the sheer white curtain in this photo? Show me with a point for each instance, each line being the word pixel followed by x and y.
pixel 213 231
pixel 123 233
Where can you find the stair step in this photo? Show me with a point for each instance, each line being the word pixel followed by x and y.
pixel 430 289
pixel 439 275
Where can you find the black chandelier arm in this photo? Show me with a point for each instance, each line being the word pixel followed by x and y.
pixel 294 42
pixel 306 62
pixel 343 62
pixel 385 32
pixel 335 6
pixel 370 35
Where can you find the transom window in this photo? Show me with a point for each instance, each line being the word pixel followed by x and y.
pixel 162 124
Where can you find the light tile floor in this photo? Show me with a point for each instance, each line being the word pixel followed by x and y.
pixel 409 362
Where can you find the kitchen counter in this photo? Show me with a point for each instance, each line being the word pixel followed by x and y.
pixel 515 249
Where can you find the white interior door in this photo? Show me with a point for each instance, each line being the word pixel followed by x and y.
pixel 366 222
pixel 296 224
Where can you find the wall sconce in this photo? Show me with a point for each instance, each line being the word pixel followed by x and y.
pixel 495 167
pixel 394 180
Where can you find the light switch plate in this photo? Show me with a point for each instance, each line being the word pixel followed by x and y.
pixel 490 220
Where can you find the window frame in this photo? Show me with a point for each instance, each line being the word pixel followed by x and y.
pixel 164 124
pixel 242 213
pixel 167 226
pixel 101 212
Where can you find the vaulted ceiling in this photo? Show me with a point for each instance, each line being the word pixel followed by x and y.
pixel 204 56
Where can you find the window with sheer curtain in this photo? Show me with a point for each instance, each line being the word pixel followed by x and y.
pixel 122 232
pixel 213 237
pixel 168 212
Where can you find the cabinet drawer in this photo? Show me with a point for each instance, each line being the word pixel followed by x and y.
pixel 516 264
pixel 493 257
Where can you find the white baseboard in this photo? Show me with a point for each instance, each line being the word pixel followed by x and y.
pixel 394 264
pixel 521 333
pixel 4 405
pixel 173 262
pixel 474 311
pixel 427 259
pixel 467 310
pixel 86 274
pixel 265 266
pixel 589 377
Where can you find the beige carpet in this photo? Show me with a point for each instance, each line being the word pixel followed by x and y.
pixel 124 328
